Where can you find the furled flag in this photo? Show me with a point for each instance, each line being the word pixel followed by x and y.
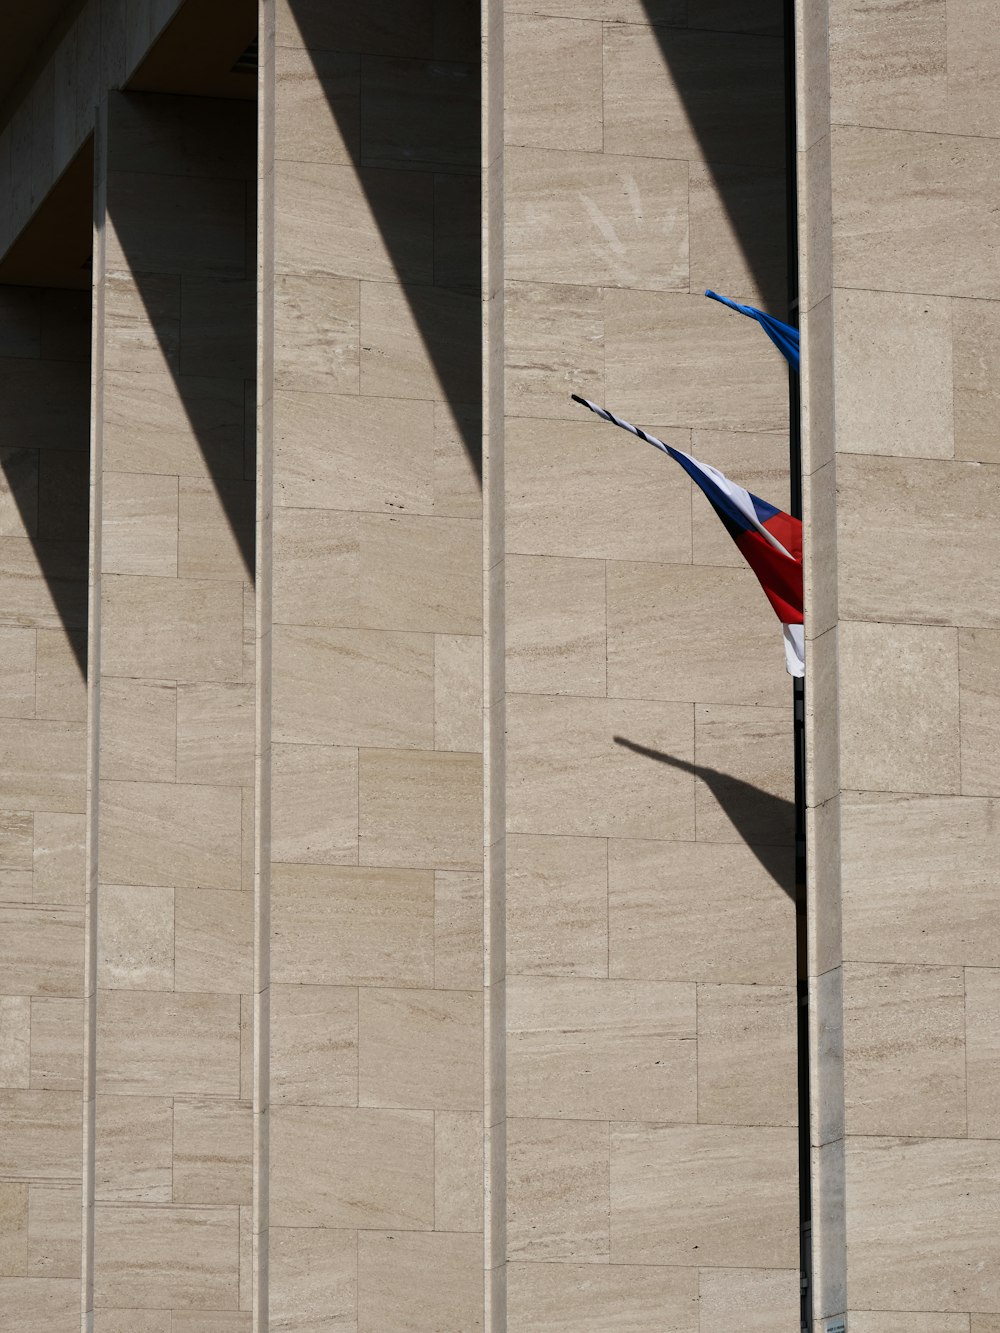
pixel 769 540
pixel 784 337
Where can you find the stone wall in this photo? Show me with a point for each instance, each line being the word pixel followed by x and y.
pixel 379 1035
pixel 651 1168
pixel 44 392
pixel 374 870
pixel 898 156
pixel 174 709
pixel 97 49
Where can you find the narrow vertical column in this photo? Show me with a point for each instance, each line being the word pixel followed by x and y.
pixel 97 318
pixel 823 899
pixel 264 509
pixel 44 336
pixel 376 848
pixel 494 681
pixel 175 709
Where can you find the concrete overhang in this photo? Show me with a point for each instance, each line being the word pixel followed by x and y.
pixel 207 49
pixel 29 31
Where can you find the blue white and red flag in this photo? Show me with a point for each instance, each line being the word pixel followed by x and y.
pixel 769 540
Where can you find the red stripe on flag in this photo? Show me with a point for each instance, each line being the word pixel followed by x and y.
pixel 788 531
pixel 778 575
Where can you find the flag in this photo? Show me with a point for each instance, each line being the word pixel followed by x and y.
pixel 784 337
pixel 769 540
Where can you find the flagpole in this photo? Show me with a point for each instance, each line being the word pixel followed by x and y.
pixel 798 697
pixel 619 421
pixel 676 454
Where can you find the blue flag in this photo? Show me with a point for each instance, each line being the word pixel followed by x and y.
pixel 784 337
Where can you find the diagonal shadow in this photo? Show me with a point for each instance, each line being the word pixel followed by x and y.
pixel 765 822
pixel 216 403
pixel 728 68
pixel 45 408
pixel 402 83
pixel 199 308
pixel 44 456
pixel 193 270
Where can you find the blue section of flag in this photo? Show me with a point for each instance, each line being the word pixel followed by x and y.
pixel 764 510
pixel 718 498
pixel 784 337
pixel 720 501
pixel 716 495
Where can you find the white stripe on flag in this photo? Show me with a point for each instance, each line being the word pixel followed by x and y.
pixel 740 498
pixel 795 649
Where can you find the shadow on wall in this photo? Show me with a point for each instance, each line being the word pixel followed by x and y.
pixel 728 68
pixel 765 822
pixel 402 83
pixel 180 334
pixel 182 219
pixel 44 457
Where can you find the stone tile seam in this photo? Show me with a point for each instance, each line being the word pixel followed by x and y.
pixel 519 555
pixel 612 25
pixel 602 1264
pixel 364 513
pixel 647 699
pixel 915 1139
pixel 625 838
pixel 908 129
pixel 601 153
pixel 621 24
pixel 842 454
pixel 660 425
pixel 908 964
pixel 906 624
pixel 903 291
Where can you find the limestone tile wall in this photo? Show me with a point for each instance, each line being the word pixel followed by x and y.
pixel 44 376
pixel 175 768
pixel 54 113
pixel 901 166
pixel 650 932
pixel 375 861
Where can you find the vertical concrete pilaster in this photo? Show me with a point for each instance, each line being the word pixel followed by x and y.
pixel 264 508
pixel 494 683
pixel 94 527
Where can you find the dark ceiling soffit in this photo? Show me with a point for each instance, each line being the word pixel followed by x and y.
pixel 202 52
pixel 32 31
pixel 55 248
pixel 205 51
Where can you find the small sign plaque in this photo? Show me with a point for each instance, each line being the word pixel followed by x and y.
pixel 838 1325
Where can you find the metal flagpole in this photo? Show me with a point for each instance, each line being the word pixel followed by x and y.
pixel 798 698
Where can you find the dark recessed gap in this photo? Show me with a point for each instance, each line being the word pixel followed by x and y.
pixel 247 63
pixel 798 700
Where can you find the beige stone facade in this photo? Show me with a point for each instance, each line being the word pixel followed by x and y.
pixel 898 155
pixel 400 927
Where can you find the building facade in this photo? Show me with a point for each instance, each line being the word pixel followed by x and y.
pixel 403 924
